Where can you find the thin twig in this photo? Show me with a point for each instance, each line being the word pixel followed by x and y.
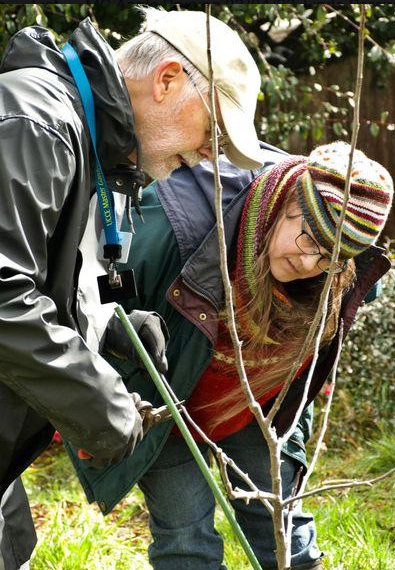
pixel 229 303
pixel 223 459
pixel 237 493
pixel 322 307
pixel 326 415
pixel 92 14
pixel 63 15
pixel 345 485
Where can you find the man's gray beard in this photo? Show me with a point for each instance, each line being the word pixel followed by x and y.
pixel 161 172
pixel 158 172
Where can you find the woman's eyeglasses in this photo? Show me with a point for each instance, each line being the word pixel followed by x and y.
pixel 307 245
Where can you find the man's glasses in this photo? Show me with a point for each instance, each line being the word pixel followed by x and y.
pixel 307 245
pixel 222 136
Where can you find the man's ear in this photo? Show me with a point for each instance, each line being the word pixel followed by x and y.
pixel 169 79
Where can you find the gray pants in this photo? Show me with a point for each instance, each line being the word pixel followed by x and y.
pixel 17 534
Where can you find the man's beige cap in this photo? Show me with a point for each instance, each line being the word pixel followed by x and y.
pixel 236 75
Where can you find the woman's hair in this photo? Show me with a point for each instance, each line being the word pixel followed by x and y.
pixel 287 324
pixel 139 56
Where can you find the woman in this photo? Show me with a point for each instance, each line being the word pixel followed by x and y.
pixel 280 227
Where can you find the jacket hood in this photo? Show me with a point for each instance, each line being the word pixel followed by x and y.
pixel 35 47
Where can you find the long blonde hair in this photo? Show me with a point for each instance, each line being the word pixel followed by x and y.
pixel 288 325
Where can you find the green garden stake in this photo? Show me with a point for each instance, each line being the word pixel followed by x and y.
pixel 138 345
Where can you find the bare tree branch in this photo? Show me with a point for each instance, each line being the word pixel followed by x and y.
pixel 346 485
pixel 268 432
pixel 320 316
pixel 223 459
pixel 326 416
pixel 229 301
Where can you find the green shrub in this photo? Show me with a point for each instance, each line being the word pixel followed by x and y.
pixel 365 395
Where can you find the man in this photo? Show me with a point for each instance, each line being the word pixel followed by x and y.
pixel 49 376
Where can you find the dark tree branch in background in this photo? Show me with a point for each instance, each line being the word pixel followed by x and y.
pixel 356 27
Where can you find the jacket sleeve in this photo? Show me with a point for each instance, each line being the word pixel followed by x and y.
pixel 48 365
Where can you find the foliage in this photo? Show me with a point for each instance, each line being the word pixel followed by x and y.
pixel 379 454
pixel 292 44
pixel 115 23
pixel 364 398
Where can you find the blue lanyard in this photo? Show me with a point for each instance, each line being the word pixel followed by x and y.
pixel 104 195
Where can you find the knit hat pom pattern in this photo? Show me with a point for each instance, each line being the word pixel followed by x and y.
pixel 321 194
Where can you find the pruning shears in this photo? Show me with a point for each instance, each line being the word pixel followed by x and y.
pixel 151 416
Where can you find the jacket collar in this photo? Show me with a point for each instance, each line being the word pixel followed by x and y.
pixel 202 271
pixel 188 198
pixel 35 47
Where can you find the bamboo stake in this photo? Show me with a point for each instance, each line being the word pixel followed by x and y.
pixel 156 377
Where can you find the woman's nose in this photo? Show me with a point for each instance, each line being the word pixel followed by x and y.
pixel 309 261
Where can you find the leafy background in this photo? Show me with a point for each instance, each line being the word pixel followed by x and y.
pixel 307 57
pixel 306 54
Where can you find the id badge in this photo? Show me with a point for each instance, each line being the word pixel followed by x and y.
pixel 126 290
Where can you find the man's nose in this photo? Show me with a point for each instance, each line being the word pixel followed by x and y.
pixel 206 152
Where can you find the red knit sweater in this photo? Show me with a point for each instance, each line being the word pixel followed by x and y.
pixel 219 378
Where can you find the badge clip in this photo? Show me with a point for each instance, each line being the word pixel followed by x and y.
pixel 114 278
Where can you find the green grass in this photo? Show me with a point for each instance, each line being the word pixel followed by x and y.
pixel 356 528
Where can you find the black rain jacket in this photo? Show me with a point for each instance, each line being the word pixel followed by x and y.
pixel 48 376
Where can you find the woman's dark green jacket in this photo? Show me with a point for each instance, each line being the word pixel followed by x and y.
pixel 175 259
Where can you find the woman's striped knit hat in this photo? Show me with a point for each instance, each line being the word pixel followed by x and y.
pixel 321 193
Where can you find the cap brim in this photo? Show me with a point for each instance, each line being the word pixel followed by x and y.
pixel 243 150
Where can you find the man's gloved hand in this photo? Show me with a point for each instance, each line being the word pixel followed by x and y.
pixel 152 331
pixel 136 436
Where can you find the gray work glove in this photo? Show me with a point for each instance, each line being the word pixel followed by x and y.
pixel 136 436
pixel 152 331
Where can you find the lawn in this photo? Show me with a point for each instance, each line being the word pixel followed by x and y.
pixel 356 527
